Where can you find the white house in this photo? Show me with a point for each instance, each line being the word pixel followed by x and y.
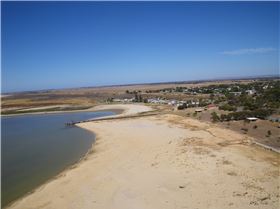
pixel 199 110
pixel 250 92
pixel 251 119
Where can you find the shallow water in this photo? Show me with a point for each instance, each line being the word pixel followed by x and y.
pixel 38 147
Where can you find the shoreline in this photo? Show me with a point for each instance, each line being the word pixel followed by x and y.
pixel 98 150
pixel 92 109
pixel 118 112
pixel 99 107
pixel 69 167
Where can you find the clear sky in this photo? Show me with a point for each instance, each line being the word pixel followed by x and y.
pixel 49 45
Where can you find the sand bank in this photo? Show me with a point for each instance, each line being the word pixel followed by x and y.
pixel 125 109
pixel 129 109
pixel 164 161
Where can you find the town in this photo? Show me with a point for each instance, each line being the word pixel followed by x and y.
pixel 250 108
pixel 255 99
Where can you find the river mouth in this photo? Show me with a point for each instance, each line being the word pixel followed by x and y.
pixel 36 148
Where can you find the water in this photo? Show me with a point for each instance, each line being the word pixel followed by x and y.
pixel 38 147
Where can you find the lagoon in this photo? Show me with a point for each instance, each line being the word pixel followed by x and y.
pixel 38 147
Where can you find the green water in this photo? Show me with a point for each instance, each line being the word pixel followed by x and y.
pixel 38 147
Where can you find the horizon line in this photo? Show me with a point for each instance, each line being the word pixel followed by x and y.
pixel 152 83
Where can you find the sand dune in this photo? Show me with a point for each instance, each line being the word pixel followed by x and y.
pixel 160 162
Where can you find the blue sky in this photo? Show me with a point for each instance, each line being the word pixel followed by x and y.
pixel 49 45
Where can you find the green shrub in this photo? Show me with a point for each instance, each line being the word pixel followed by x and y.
pixel 215 117
pixel 227 107
pixel 242 115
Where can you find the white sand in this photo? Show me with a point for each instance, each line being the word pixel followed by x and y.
pixel 164 162
pixel 129 109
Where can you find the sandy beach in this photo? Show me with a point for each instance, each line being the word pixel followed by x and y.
pixel 163 161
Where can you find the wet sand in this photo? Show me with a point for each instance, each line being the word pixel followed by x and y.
pixel 164 161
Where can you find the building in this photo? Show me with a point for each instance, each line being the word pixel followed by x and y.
pixel 172 102
pixel 199 110
pixel 117 100
pixel 158 101
pixel 250 92
pixel 211 106
pixel 251 119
